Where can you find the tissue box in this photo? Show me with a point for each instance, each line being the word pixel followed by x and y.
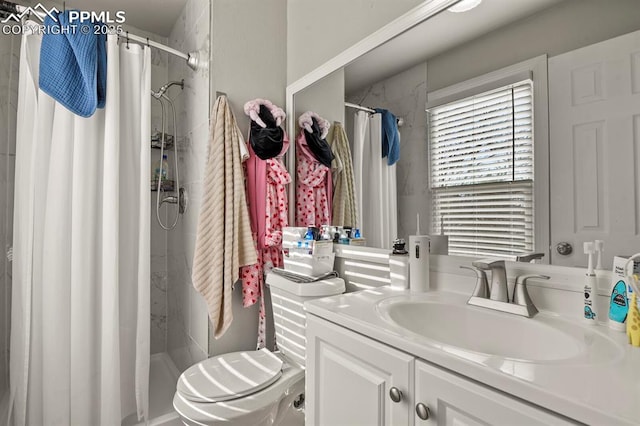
pixel 308 264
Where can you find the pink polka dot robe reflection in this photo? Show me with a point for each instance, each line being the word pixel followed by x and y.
pixel 313 187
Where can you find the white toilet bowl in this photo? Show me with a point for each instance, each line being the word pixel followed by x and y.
pixel 274 404
pixel 256 388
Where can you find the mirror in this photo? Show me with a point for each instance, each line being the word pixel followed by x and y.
pixel 586 176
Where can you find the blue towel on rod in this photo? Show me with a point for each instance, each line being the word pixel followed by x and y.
pixel 390 136
pixel 73 65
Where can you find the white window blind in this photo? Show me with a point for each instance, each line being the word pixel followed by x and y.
pixel 481 157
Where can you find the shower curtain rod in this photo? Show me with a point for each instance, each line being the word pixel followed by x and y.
pixel 399 120
pixel 192 58
pixel 360 107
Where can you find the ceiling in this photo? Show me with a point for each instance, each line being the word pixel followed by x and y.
pixel 156 16
pixel 435 36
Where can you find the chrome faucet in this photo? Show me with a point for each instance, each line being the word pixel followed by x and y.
pixel 482 287
pixel 497 297
pixel 498 289
pixel 528 257
pixel 521 294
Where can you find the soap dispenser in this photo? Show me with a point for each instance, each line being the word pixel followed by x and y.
pixel 399 265
pixel 418 261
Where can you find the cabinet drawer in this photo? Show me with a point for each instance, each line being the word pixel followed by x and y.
pixel 453 400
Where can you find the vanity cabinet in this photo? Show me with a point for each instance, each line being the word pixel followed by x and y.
pixel 353 380
pixel 349 378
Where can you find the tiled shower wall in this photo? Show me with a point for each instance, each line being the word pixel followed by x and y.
pixel 159 77
pixel 9 68
pixel 187 322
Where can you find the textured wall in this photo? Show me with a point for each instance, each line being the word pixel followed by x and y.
pixel 187 320
pixel 159 76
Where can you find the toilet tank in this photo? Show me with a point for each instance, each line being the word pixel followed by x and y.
pixel 289 317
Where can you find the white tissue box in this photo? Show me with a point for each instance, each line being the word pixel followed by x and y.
pixel 308 264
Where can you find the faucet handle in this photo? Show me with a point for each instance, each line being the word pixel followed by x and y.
pixel 488 263
pixel 482 286
pixel 528 257
pixel 520 292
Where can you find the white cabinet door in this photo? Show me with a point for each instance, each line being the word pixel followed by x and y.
pixel 454 401
pixel 594 124
pixel 349 378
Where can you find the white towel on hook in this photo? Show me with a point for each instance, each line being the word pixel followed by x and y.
pixel 224 241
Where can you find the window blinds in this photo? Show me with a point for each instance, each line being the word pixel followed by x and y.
pixel 481 157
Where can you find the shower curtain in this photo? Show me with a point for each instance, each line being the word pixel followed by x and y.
pixel 375 183
pixel 80 317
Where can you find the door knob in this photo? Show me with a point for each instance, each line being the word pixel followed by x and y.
pixel 423 411
pixel 395 394
pixel 564 249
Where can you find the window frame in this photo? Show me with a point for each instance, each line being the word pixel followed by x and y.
pixel 534 69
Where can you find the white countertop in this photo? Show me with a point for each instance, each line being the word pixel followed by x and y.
pixel 600 387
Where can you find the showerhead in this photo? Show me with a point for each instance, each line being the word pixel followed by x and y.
pixel 164 88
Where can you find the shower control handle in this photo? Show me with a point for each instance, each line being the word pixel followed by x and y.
pixel 395 394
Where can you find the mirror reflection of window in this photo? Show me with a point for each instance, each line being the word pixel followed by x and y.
pixel 482 171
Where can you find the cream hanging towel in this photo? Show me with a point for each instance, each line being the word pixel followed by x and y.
pixel 344 194
pixel 223 242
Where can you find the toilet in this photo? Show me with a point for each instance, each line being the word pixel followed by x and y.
pixel 257 387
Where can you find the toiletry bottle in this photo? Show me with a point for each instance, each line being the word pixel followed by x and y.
pixel 308 236
pixel 399 265
pixel 618 306
pixel 418 261
pixel 590 287
pixel 165 167
pixel 618 301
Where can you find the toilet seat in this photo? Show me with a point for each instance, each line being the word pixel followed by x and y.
pixel 230 376
pixel 257 409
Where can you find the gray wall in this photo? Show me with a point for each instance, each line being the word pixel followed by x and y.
pixel 9 68
pixel 326 98
pixel 249 40
pixel 319 30
pixel 567 26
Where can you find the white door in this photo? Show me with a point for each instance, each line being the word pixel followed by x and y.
pixel 594 121
pixel 454 401
pixel 349 379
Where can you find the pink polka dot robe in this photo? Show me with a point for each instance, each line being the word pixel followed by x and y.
pixel 313 187
pixel 268 210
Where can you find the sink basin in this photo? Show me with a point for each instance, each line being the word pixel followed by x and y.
pixel 457 325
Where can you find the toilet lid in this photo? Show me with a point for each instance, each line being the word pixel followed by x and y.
pixel 230 376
